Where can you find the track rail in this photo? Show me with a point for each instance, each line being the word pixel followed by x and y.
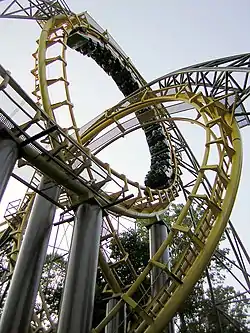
pixel 54 33
pixel 218 105
pixel 199 241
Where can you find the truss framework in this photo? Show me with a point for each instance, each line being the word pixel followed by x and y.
pixel 38 10
pixel 215 78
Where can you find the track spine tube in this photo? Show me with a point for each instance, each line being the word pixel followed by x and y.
pixel 199 265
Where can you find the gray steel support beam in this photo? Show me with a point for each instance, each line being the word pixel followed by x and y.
pixel 113 325
pixel 79 290
pixel 8 158
pixel 157 234
pixel 18 308
pixel 118 324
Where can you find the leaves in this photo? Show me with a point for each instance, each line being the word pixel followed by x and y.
pixel 137 245
pixel 197 314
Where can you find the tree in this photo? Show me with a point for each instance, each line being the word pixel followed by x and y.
pixel 50 294
pixel 4 272
pixel 197 314
pixel 100 301
pixel 47 304
pixel 136 243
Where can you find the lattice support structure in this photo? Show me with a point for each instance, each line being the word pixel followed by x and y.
pixel 214 94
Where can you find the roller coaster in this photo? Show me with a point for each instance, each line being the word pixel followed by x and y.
pixel 67 175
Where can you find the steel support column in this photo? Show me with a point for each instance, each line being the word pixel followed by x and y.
pixel 113 325
pixel 119 323
pixel 18 308
pixel 79 290
pixel 8 158
pixel 157 234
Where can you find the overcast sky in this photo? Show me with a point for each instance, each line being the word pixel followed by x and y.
pixel 159 37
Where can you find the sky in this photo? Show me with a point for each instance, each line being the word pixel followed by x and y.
pixel 158 37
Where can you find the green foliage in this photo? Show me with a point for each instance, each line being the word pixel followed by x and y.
pixel 52 282
pixel 197 314
pixel 51 285
pixel 137 245
pixel 4 274
pixel 100 303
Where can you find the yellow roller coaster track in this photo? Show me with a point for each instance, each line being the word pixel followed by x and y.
pixel 200 240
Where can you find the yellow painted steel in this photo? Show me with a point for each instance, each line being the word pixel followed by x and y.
pixel 18 232
pixel 42 68
pixel 217 212
pixel 203 258
pixel 200 240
